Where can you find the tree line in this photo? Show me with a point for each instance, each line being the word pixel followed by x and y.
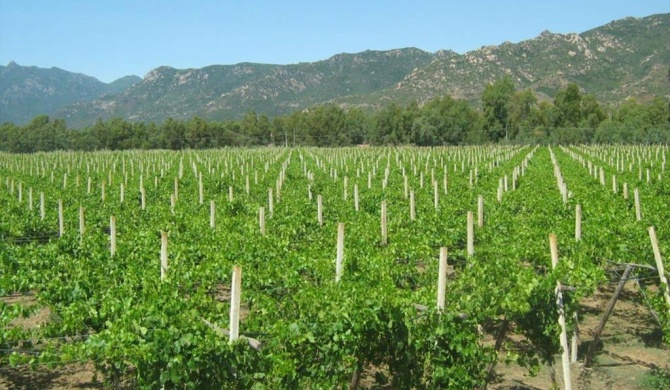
pixel 505 115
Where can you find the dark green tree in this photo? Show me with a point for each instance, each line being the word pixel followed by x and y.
pixel 568 103
pixel 522 112
pixel 495 104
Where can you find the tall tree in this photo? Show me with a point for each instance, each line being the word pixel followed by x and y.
pixel 495 100
pixel 568 103
pixel 522 112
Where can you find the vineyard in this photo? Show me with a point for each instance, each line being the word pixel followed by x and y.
pixel 312 268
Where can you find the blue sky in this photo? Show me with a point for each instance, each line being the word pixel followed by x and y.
pixel 111 39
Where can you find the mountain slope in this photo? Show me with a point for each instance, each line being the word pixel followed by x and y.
pixel 228 91
pixel 27 91
pixel 628 57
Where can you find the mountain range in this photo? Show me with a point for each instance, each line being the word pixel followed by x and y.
pixel 625 58
pixel 27 91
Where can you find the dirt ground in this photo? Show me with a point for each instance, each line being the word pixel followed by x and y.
pixel 631 348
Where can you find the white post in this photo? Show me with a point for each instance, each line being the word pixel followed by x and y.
pixel 82 225
pixel 201 190
pixel 480 211
pixel 384 224
pixel 406 186
pixel 638 213
pixel 578 222
pixel 261 219
pixel 319 209
pixel 356 207
pixel 61 228
pixel 340 251
pixel 561 316
pixel 164 255
pixel 659 264
pixel 442 279
pixel 235 292
pixel 412 206
pixel 112 235
pixel 625 190
pixel 344 188
pixel 471 235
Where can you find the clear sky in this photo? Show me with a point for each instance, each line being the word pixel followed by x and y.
pixel 111 39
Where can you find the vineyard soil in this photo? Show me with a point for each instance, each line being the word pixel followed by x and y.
pixel 631 349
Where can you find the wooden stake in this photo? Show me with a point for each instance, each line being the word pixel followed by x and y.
pixel 270 203
pixel 42 207
pixel 344 188
pixel 588 360
pixel 261 219
pixel 578 222
pixel 201 190
pixel 82 224
pixel 384 224
pixel 480 211
pixel 61 228
pixel 471 235
pixel 406 186
pixel 340 251
pixel 235 293
pixel 659 264
pixel 625 190
pixel 574 344
pixel 112 235
pixel 164 255
pixel 638 213
pixel 412 206
pixel 356 207
pixel 442 279
pixel 561 316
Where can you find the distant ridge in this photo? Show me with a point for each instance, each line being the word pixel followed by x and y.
pixel 27 91
pixel 629 57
